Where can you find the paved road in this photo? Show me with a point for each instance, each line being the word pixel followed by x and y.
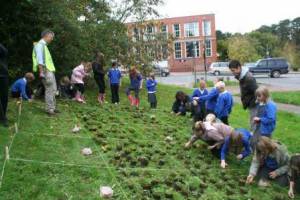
pixel 285 82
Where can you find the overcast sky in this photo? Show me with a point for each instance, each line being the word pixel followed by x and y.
pixel 235 15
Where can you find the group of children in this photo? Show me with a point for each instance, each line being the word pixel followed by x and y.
pixel 210 111
pixel 74 88
pixel 217 101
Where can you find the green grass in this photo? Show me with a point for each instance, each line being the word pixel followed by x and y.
pixel 287 97
pixel 129 153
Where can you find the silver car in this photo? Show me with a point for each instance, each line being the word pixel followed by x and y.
pixel 218 68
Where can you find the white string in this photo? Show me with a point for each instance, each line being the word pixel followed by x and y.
pixel 19 110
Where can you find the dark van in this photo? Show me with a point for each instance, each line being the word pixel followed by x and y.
pixel 272 66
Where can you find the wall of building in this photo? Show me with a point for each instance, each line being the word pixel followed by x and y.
pixel 185 64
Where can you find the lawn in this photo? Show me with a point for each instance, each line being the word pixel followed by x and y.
pixel 129 153
pixel 287 97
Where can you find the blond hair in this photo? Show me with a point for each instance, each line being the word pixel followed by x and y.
pixel 29 76
pixel 263 91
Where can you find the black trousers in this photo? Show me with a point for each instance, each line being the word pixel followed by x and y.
pixel 3 98
pixel 101 83
pixel 152 100
pixel 79 87
pixel 114 93
pixel 224 120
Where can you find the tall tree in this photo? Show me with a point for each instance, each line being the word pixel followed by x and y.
pixel 240 48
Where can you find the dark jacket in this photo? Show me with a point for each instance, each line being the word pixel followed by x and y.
pixel 248 87
pixel 3 61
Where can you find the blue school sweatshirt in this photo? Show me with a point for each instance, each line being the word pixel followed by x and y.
pixel 114 75
pixel 224 105
pixel 211 99
pixel 268 119
pixel 246 143
pixel 136 82
pixel 20 86
pixel 151 85
pixel 198 93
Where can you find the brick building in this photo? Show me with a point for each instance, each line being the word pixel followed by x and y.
pixel 191 35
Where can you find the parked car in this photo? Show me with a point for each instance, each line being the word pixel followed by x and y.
pixel 272 66
pixel 161 68
pixel 218 68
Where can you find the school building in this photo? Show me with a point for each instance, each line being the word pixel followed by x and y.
pixel 192 35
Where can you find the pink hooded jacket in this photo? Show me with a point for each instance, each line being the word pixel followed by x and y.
pixel 78 74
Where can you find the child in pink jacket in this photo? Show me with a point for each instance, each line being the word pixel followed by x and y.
pixel 78 74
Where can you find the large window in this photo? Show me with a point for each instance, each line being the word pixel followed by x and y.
pixel 206 27
pixel 177 48
pixel 164 30
pixel 192 49
pixel 208 48
pixel 176 28
pixel 191 29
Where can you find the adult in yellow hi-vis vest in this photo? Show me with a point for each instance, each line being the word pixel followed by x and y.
pixel 44 66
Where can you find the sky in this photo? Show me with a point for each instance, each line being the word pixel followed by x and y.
pixel 235 15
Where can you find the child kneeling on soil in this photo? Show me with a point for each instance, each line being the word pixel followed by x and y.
pixel 199 109
pixel 294 173
pixel 136 83
pixel 213 133
pixel 114 75
pixel 270 162
pixel 239 141
pixel 20 88
pixel 265 120
pixel 66 88
pixel 181 103
pixel 79 73
pixel 151 87
pixel 224 103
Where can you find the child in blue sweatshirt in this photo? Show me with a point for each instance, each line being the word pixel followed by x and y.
pixel 224 103
pixel 151 87
pixel 211 100
pixel 114 75
pixel 265 120
pixel 20 88
pixel 199 109
pixel 240 139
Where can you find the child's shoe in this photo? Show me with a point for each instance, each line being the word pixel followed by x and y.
pixel 100 99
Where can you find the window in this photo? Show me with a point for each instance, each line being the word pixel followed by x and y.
pixel 176 30
pixel 163 29
pixel 192 49
pixel 177 50
pixel 208 49
pixel 150 29
pixel 206 27
pixel 136 34
pixel 263 63
pixel 191 29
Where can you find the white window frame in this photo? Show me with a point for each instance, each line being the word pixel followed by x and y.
pixel 195 50
pixel 191 29
pixel 210 48
pixel 204 30
pixel 175 51
pixel 174 31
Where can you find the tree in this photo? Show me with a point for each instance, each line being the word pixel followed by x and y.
pixel 240 48
pixel 289 51
pixel 266 43
pixel 81 27
pixel 222 44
